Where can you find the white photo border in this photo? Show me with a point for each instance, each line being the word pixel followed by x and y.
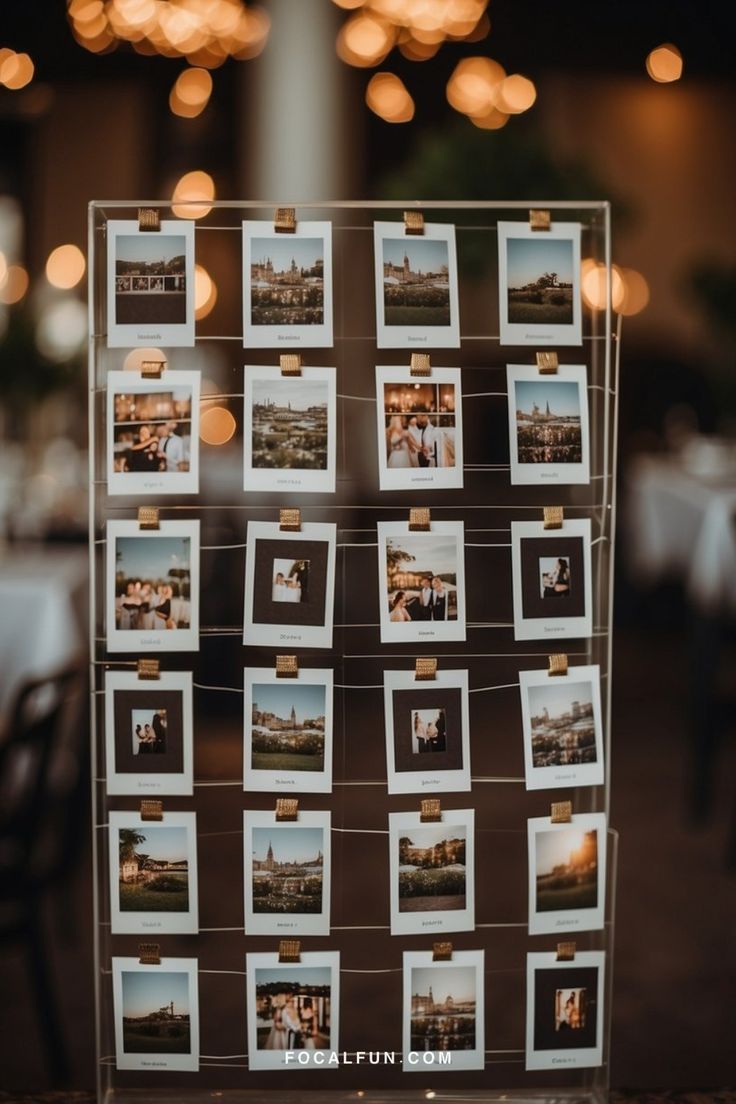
pixel 132 334
pixel 284 781
pixel 146 785
pixel 152 923
pixel 525 333
pixel 319 336
pixel 573 1058
pixel 406 479
pixel 276 1059
pixel 148 483
pixel 150 640
pixel 285 635
pixel 422 632
pixel 542 628
pixel 286 925
pixel 563 921
pixel 291 480
pixel 428 780
pixel 156 1062
pixel 432 923
pixel 460 1059
pixel 573 774
pixel 548 474
pixel 417 337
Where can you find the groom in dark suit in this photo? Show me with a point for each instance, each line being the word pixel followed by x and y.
pixel 439 600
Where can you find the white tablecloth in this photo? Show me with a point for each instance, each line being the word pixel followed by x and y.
pixel 682 526
pixel 43 602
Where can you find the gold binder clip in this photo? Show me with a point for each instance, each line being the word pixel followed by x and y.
pixel 149 218
pixel 547 364
pixel 149 954
pixel 286 667
pixel 152 369
pixel 442 952
pixel 413 222
pixel 287 808
pixel 149 669
pixel 553 517
pixel 290 950
pixel 151 809
pixel 284 221
pixel 425 669
pixel 290 519
pixel 148 517
pixel 539 220
pixel 558 664
pixel 560 812
pixel 420 365
pixel 290 364
pixel 566 951
pixel 419 519
pixel 431 810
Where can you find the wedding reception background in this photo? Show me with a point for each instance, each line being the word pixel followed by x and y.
pixel 295 100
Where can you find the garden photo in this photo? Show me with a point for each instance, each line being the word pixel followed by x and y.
pixel 288 726
pixel 432 870
pixel 288 869
pixel 153 869
pixel 539 277
pixel 566 870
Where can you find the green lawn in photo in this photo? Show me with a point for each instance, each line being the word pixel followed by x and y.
pixel 580 896
pixel 141 1039
pixel 284 761
pixel 138 897
pixel 554 307
pixel 418 316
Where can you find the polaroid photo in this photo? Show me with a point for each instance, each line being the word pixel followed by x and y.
pixel 567 874
pixel 148 733
pixel 420 429
pixel 432 873
pixel 287 286
pixel 563 729
pixel 289 430
pixel 564 1010
pixel 427 732
pixel 293 1011
pixel 443 1016
pixel 421 582
pixel 288 731
pixel 548 425
pixel 539 284
pixel 287 874
pixel 152 600
pixel 153 434
pixel 289 585
pixel 156 1013
pixel 416 287
pixel 150 284
pixel 153 874
pixel 552 580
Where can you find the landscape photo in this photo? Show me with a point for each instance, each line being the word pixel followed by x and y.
pixel 548 422
pixel 419 424
pixel 540 276
pixel 416 282
pixel 290 424
pixel 153 869
pixel 152 431
pixel 566 869
pixel 443 1008
pixel 287 281
pixel 288 869
pixel 432 868
pixel 292 1007
pixel 417 563
pixel 156 1012
pixel 288 726
pixel 562 723
pixel 150 279
pixel 152 583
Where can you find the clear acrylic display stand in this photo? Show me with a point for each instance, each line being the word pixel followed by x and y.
pixel 370 1005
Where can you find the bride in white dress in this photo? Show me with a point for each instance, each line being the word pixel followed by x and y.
pixel 397 444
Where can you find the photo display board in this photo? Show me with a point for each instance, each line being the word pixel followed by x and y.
pixel 195 419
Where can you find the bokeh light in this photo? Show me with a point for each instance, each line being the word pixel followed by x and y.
pixel 16 70
pixel 636 292
pixel 191 93
pixel 664 64
pixel 13 285
pixel 515 94
pixel 472 86
pixel 194 187
pixel 365 40
pixel 135 358
pixel 216 425
pixel 205 292
pixel 387 96
pixel 65 266
pixel 593 285
pixel 62 329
